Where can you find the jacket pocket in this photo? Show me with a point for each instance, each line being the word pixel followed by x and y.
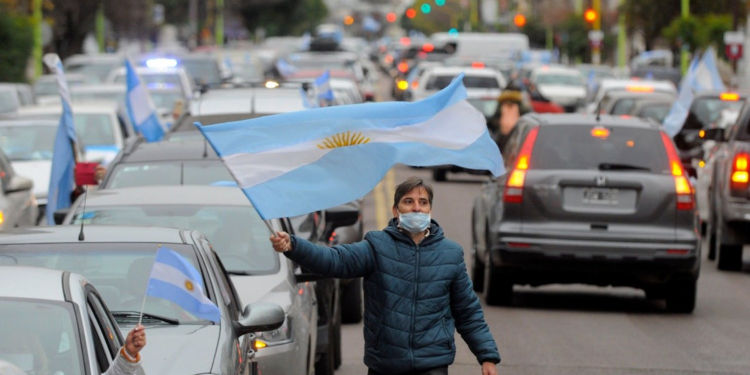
pixel 448 333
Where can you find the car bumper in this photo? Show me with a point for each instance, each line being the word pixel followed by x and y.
pixel 736 211
pixel 539 261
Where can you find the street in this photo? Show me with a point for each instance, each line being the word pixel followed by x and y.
pixel 575 329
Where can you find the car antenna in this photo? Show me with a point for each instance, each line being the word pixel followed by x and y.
pixel 205 148
pixel 83 213
pixel 598 111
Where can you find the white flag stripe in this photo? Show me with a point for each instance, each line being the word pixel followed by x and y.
pixel 456 127
pixel 171 275
pixel 139 103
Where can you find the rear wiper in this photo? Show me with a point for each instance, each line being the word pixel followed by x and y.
pixel 136 315
pixel 613 166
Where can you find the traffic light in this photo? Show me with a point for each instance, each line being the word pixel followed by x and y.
pixel 390 17
pixel 590 15
pixel 439 2
pixel 426 8
pixel 519 20
pixel 411 13
pixel 348 20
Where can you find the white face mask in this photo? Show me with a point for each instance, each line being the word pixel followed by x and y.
pixel 414 222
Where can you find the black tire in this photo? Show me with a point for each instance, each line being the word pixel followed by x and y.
pixel 681 297
pixel 711 243
pixel 337 340
pixel 477 273
pixel 439 174
pixel 498 289
pixel 326 364
pixel 730 257
pixel 351 302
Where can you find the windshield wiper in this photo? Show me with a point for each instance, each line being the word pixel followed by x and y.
pixel 241 273
pixel 621 167
pixel 136 315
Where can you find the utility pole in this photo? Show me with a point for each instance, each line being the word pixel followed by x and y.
pixel 37 49
pixel 193 23
pixel 684 49
pixel 596 55
pixel 622 37
pixel 99 26
pixel 219 25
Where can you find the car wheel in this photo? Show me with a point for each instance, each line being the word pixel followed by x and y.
pixel 477 273
pixel 337 338
pixel 326 364
pixel 730 257
pixel 681 296
pixel 711 234
pixel 439 174
pixel 498 289
pixel 351 301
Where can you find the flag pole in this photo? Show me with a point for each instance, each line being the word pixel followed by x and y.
pixel 143 305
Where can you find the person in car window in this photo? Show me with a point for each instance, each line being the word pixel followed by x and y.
pixel 417 289
pixel 509 109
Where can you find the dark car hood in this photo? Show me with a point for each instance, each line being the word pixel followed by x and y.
pixel 183 349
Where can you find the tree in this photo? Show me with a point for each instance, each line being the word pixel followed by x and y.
pixel 16 39
pixel 283 17
pixel 72 21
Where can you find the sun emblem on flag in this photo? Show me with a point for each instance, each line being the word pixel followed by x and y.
pixel 343 139
pixel 189 285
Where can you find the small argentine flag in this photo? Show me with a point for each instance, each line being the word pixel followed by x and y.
pixel 141 110
pixel 173 278
pixel 323 87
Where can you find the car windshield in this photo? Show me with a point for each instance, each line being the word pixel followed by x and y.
pixel 486 106
pixel 439 82
pixel 94 72
pixel 155 80
pixel 204 71
pixel 559 79
pixel 579 147
pixel 119 271
pixel 27 142
pixel 106 96
pixel 658 112
pixel 212 172
pixel 238 234
pixel 705 112
pixel 165 99
pixel 40 337
pixel 93 129
pixel 46 88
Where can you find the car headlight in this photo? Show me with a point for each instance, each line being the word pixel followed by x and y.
pixel 281 335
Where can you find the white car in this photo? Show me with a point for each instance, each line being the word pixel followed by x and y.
pixel 563 86
pixel 17 204
pixel 610 84
pixel 479 82
pixel 161 78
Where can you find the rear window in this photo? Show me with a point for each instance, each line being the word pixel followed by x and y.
pixel 439 82
pixel 705 112
pixel 575 147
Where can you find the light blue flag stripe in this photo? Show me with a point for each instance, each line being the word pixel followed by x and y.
pixel 167 291
pixel 272 132
pixel 150 127
pixel 295 193
pixel 174 259
pixel 62 179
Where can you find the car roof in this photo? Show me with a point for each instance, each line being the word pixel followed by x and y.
pixel 716 93
pixel 31 282
pixel 92 234
pixel 653 95
pixel 99 87
pixel 548 119
pixel 247 100
pixel 557 69
pixel 437 69
pixel 88 106
pixel 183 150
pixel 168 195
pixel 20 121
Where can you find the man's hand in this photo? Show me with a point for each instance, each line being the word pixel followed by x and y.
pixel 281 242
pixel 489 368
pixel 135 341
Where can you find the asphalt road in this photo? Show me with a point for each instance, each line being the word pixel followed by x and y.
pixel 576 329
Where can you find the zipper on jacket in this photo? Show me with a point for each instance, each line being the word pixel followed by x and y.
pixel 414 305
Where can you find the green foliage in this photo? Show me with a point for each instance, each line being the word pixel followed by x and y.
pixel 287 17
pixel 17 40
pixel 698 31
pixel 536 31
pixel 575 37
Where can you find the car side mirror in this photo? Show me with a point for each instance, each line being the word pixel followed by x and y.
pixel 60 215
pixel 341 216
pixel 259 316
pixel 714 134
pixel 19 183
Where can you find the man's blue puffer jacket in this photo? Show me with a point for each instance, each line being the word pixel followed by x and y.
pixel 414 297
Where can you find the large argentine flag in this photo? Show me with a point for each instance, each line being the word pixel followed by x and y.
pixel 141 110
pixel 294 163
pixel 62 181
pixel 703 75
pixel 173 278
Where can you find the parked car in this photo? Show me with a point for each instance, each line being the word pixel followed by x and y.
pixel 562 85
pixel 596 200
pixel 94 67
pixel 161 78
pixel 18 206
pixel 728 220
pixel 46 90
pixel 240 239
pixel 118 261
pixel 479 82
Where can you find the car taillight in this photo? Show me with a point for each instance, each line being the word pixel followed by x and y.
pixel 739 177
pixel 513 192
pixel 682 187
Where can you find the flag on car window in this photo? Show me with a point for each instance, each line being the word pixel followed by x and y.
pixel 703 75
pixel 62 178
pixel 173 278
pixel 294 163
pixel 323 87
pixel 141 110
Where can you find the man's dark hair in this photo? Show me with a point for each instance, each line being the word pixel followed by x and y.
pixel 410 184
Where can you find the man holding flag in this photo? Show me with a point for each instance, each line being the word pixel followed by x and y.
pixel 417 290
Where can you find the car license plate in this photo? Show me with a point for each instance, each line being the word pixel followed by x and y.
pixel 600 196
